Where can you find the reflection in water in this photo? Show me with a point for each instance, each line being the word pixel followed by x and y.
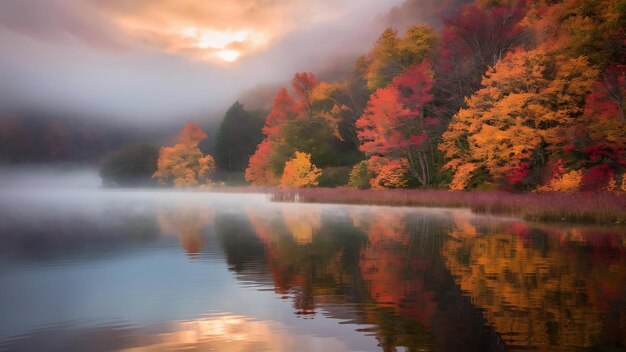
pixel 300 255
pixel 393 273
pixel 231 333
pixel 188 224
pixel 383 265
pixel 102 273
pixel 219 332
pixel 540 288
pixel 302 223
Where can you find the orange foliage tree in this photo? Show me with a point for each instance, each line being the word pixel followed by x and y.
pixel 183 164
pixel 530 106
pixel 387 173
pixel 300 172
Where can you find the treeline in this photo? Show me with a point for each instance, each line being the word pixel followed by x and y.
pixel 516 95
pixel 506 94
pixel 35 137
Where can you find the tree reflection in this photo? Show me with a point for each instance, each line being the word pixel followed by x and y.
pixel 384 266
pixel 541 288
pixel 309 264
pixel 393 273
pixel 188 224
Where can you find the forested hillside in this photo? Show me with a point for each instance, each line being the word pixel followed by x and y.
pixel 520 95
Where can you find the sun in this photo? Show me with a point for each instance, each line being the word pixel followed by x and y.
pixel 217 44
pixel 228 55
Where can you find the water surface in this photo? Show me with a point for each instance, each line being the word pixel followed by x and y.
pixel 104 270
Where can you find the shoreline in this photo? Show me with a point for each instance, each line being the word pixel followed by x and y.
pixel 581 208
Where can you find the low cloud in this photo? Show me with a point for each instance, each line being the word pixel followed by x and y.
pixel 158 60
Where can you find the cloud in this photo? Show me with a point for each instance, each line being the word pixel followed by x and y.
pixel 57 21
pixel 216 30
pixel 162 60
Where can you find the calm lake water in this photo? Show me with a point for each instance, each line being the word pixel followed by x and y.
pixel 83 269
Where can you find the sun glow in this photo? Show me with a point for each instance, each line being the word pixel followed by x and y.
pixel 228 55
pixel 226 45
pixel 199 42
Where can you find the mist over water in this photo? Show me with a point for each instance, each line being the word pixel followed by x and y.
pixel 48 177
pixel 88 268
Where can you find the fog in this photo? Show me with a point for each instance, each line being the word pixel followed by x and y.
pixel 129 61
pixel 48 177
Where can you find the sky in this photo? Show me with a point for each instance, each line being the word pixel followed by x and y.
pixel 159 60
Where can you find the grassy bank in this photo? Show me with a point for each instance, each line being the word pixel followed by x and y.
pixel 572 207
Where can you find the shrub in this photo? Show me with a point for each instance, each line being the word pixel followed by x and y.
pixel 132 165
pixel 569 182
pixel 360 175
pixel 300 172
pixel 334 176
pixel 388 173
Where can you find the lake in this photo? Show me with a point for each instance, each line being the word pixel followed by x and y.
pixel 86 269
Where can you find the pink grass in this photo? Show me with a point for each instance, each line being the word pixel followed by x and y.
pixel 584 207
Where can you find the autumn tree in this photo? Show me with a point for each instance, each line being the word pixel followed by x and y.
pixel 387 172
pixel 319 122
pixel 528 111
pixel 303 84
pixel 284 108
pixel 605 126
pixel 590 28
pixel 395 125
pixel 300 172
pixel 333 103
pixel 474 37
pixel 393 54
pixel 259 172
pixel 183 164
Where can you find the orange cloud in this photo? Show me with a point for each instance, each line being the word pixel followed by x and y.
pixel 218 31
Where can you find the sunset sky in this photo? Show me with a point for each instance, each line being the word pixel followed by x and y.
pixel 164 59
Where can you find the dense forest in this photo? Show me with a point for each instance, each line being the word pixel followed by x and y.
pixel 514 95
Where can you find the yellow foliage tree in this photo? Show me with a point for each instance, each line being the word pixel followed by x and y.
pixel 183 164
pixel 328 102
pixel 568 182
pixel 300 172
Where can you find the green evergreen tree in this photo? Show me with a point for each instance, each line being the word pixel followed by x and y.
pixel 237 138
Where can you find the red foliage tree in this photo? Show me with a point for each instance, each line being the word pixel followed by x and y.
pixel 303 84
pixel 283 109
pixel 379 128
pixel 394 123
pixel 596 178
pixel 259 171
pixel 474 38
